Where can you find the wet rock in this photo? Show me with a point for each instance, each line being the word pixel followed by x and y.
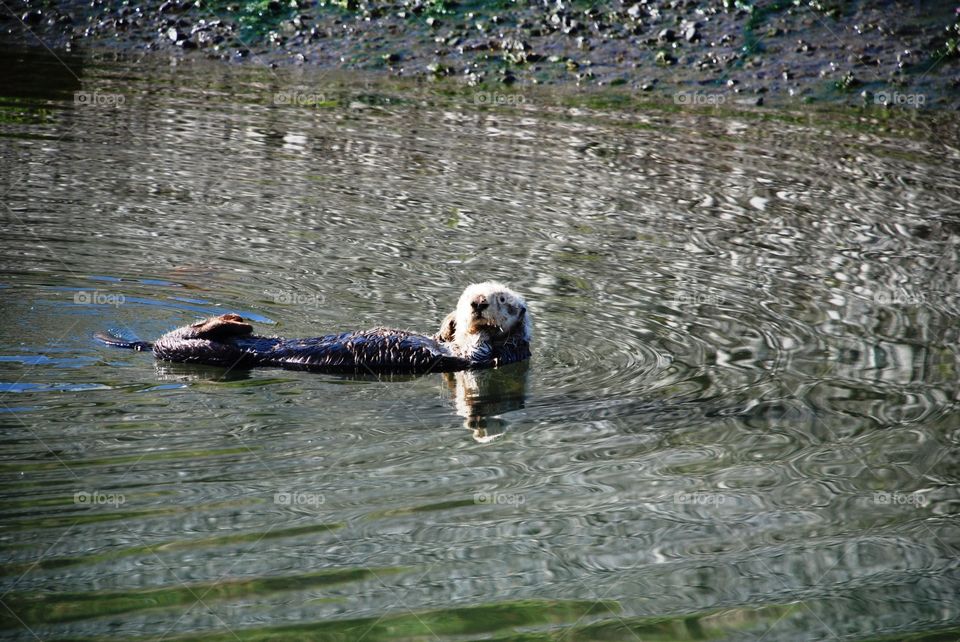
pixel 34 17
pixel 848 81
pixel 664 58
pixel 517 51
pixel 206 39
pixel 667 35
pixel 173 35
pixel 438 69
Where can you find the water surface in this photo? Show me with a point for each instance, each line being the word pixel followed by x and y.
pixel 739 421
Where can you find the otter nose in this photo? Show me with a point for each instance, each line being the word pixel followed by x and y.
pixel 479 304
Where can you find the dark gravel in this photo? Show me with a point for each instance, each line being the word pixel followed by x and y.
pixel 904 54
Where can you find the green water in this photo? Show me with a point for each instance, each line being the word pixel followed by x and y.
pixel 739 422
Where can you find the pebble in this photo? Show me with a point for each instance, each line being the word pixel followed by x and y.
pixel 667 35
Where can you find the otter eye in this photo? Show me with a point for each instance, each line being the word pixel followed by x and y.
pixel 502 299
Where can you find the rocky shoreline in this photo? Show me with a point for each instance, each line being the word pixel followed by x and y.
pixel 884 54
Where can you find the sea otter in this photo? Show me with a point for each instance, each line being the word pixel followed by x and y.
pixel 491 326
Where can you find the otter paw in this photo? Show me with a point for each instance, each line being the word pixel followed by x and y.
pixel 222 327
pixel 448 328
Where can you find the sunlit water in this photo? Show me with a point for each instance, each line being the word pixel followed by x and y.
pixel 739 421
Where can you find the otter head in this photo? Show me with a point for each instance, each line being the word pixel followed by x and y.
pixel 486 312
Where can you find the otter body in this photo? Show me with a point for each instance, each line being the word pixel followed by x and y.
pixel 490 331
pixel 380 350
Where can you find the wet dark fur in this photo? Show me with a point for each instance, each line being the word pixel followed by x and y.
pixel 228 341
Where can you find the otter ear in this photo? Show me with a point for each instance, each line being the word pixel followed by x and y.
pixel 448 328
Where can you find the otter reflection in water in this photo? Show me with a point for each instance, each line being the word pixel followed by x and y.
pixel 481 396
pixel 490 327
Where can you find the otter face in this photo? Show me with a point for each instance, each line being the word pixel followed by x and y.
pixel 491 309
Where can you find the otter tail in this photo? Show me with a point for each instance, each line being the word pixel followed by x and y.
pixel 120 342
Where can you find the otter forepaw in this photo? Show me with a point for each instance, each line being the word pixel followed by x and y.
pixel 222 327
pixel 448 328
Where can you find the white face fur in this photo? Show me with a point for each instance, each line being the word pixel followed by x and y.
pixel 492 309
